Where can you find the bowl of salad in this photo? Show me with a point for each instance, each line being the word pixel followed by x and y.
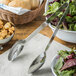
pixel 67 31
pixel 64 64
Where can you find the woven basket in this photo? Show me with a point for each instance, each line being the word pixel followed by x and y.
pixel 21 19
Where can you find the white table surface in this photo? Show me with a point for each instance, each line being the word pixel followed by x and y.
pixel 32 49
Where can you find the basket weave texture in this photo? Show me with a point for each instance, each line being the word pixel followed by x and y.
pixel 21 19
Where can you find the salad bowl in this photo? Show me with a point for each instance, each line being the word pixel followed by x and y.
pixel 54 60
pixel 63 64
pixel 65 35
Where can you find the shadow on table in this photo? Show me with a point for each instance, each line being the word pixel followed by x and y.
pixel 21 57
pixel 43 72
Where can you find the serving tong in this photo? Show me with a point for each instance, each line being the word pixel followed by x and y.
pixel 40 60
pixel 19 45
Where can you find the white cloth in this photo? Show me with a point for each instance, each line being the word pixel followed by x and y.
pixel 32 49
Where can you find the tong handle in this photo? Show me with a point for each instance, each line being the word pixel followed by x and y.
pixel 57 27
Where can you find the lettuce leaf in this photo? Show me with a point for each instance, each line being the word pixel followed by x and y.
pixel 74 18
pixel 52 8
pixel 75 27
pixel 67 73
pixel 73 0
pixel 58 65
pixel 72 9
pixel 63 54
pixel 71 27
pixel 63 1
pixel 68 19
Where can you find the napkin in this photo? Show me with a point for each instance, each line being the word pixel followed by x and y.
pixel 20 66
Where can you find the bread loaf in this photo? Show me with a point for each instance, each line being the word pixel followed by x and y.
pixel 34 3
pixel 20 3
pixel 6 2
pixel 26 4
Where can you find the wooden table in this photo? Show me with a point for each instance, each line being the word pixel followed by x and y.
pixel 23 31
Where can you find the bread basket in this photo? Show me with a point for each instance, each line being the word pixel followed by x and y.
pixel 21 19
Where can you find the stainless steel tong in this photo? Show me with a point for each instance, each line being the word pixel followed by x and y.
pixel 19 45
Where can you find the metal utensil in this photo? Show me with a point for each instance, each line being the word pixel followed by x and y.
pixel 40 60
pixel 18 46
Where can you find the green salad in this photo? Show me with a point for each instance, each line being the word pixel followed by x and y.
pixel 69 22
pixel 66 63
